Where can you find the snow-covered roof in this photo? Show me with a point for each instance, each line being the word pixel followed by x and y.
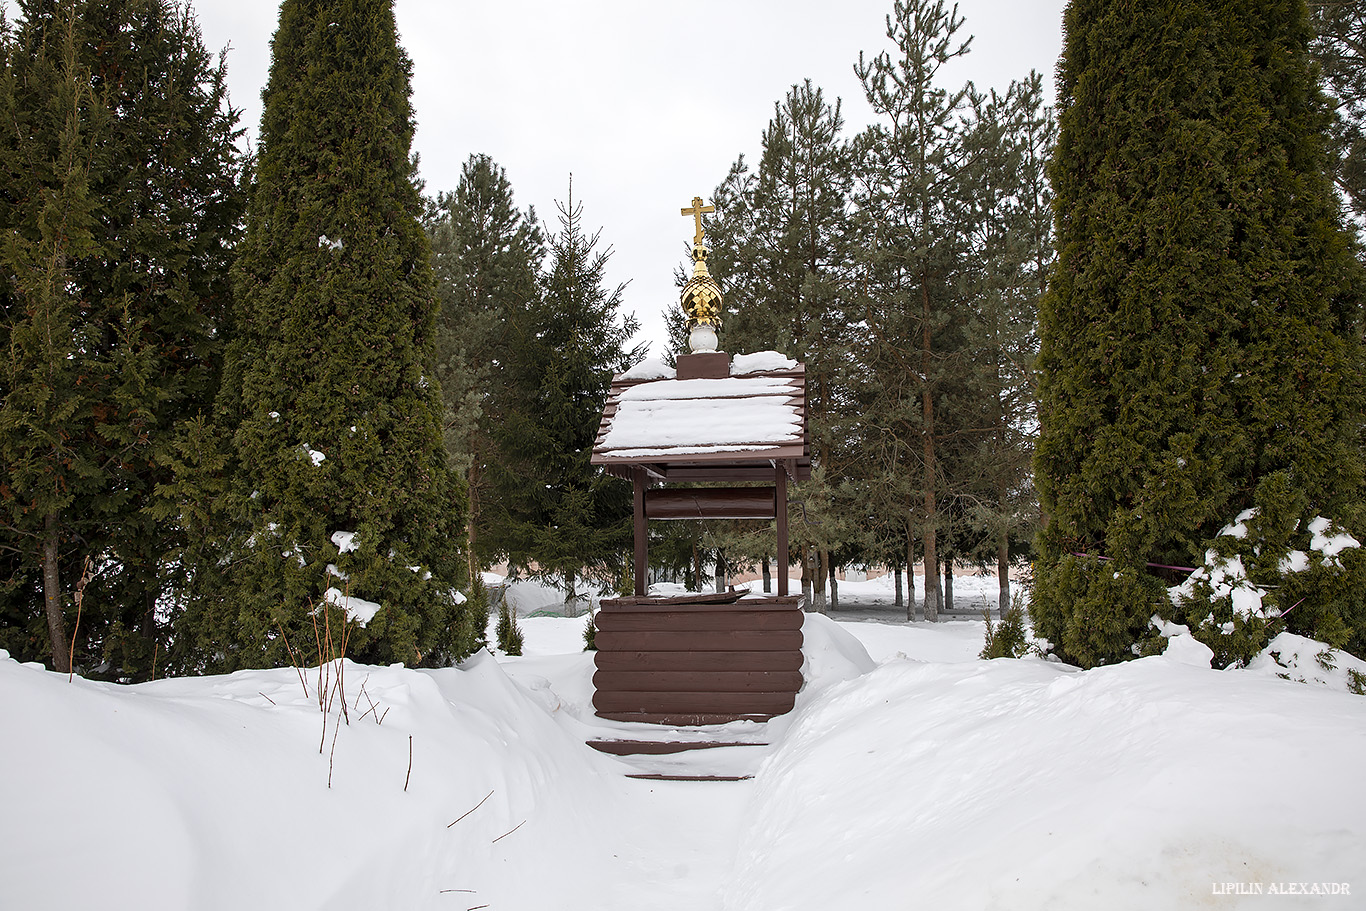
pixel 758 418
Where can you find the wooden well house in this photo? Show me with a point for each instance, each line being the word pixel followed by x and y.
pixel 735 432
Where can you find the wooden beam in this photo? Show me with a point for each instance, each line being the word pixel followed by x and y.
pixel 711 503
pixel 642 563
pixel 780 497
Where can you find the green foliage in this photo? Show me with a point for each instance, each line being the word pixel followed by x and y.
pixel 1302 590
pixel 121 198
pixel 1202 324
pixel 549 507
pixel 1006 639
pixel 1338 46
pixel 486 257
pixel 1110 607
pixel 590 632
pixel 508 633
pixel 329 397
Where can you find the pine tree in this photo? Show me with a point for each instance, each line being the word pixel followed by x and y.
pixel 341 490
pixel 551 511
pixel 1339 48
pixel 487 257
pixel 913 252
pixel 1202 327
pixel 781 249
pixel 1005 204
pixel 122 197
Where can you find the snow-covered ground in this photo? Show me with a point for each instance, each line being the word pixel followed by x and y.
pixel 911 774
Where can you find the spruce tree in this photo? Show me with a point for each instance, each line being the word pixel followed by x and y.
pixel 487 257
pixel 341 494
pixel 552 512
pixel 1202 327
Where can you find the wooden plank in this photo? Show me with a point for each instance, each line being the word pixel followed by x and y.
pixel 664 747
pixel 658 776
pixel 711 503
pixel 680 620
pixel 790 660
pixel 698 681
pixel 682 719
pixel 703 641
pixel 695 703
pixel 642 538
pixel 721 601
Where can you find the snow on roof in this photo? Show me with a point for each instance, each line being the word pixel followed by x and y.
pixel 760 361
pixel 751 416
pixel 651 368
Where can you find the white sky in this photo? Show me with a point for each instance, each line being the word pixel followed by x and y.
pixel 646 103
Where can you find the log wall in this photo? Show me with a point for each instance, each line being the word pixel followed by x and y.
pixel 686 664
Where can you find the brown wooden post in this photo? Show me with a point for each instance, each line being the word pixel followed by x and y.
pixel 780 482
pixel 642 563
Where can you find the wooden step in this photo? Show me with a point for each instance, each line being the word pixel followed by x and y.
pixel 663 747
pixel 698 681
pixel 683 719
pixel 694 703
pixel 661 777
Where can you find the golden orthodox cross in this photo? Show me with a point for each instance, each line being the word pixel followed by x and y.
pixel 696 212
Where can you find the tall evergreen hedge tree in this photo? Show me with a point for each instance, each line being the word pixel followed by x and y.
pixel 330 376
pixel 1202 327
pixel 121 200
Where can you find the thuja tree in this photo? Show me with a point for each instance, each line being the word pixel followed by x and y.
pixel 121 201
pixel 341 494
pixel 1201 331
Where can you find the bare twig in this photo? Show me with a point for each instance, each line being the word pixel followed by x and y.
pixel 336 728
pixel 410 764
pixel 265 697
pixel 80 596
pixel 472 809
pixel 293 659
pixel 506 834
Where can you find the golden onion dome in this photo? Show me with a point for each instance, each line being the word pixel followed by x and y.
pixel 701 298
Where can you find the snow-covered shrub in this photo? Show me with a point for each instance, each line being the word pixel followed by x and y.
pixel 1270 571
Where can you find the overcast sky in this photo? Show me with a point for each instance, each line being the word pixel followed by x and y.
pixel 646 103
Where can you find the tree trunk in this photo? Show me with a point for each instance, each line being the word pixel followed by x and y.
pixel 896 582
pixel 570 596
pixel 1003 576
pixel 948 581
pixel 768 578
pixel 52 597
pixel 696 585
pixel 834 588
pixel 910 579
pixel 471 561
pixel 720 571
pixel 806 577
pixel 822 568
